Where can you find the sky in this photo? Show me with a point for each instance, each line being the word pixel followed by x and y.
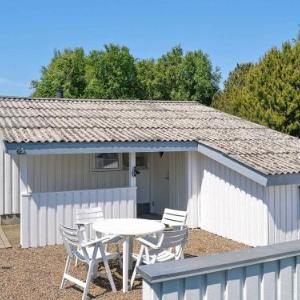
pixel 230 32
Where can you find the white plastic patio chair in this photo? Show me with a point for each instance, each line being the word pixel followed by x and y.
pixel 170 246
pixel 174 217
pixel 90 253
pixel 84 220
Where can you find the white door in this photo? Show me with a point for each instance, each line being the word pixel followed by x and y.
pixel 160 182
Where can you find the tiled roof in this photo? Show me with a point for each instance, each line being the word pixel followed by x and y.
pixel 62 120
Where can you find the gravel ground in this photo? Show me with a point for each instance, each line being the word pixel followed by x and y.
pixel 36 273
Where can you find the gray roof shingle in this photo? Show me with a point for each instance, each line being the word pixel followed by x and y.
pixel 64 120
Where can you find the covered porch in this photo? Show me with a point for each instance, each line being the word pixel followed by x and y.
pixel 125 184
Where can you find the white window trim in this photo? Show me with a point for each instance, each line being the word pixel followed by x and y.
pixel 92 164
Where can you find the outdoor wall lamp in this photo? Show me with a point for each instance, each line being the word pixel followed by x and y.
pixel 135 172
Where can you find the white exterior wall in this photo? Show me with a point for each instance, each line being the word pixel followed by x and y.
pixel 178 180
pixel 283 213
pixel 9 183
pixel 54 173
pixel 42 213
pixel 230 204
pixel 217 198
pixel 183 185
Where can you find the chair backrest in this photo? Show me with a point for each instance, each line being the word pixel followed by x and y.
pixel 88 215
pixel 174 239
pixel 174 217
pixel 72 239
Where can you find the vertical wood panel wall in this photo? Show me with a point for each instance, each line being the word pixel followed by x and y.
pixel 230 204
pixel 9 183
pixel 184 184
pixel 178 180
pixel 274 280
pixel 260 273
pixel 54 173
pixel 43 212
pixel 47 173
pixel 284 213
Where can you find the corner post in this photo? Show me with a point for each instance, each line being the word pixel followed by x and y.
pixel 132 165
pixel 132 183
pixel 192 183
pixel 24 202
pixel 132 178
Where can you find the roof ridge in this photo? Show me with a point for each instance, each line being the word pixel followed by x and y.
pixel 17 98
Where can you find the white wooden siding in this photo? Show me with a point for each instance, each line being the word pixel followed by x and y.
pixel 183 183
pixel 53 173
pixel 230 204
pixel 274 280
pixel 283 213
pixel 178 180
pixel 9 183
pixel 43 212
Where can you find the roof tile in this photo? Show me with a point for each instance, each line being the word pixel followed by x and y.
pixel 65 120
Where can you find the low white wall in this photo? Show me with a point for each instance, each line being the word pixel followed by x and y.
pixel 268 273
pixel 43 212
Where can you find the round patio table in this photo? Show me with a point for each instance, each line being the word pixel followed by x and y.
pixel 128 228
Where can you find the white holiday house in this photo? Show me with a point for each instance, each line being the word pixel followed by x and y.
pixel 236 178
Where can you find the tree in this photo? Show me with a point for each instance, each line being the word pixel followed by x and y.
pixel 66 71
pixel 168 75
pixel 111 74
pixel 199 82
pixel 270 93
pixel 146 76
pixel 179 76
pixel 229 99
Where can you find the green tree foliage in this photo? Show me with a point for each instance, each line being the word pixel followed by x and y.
pixel 229 99
pixel 147 80
pixel 111 74
pixel 66 71
pixel 269 91
pixel 176 76
pixel 115 74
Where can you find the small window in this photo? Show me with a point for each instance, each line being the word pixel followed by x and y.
pixel 141 160
pixel 106 161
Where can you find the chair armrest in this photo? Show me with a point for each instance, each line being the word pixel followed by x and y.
pixel 111 239
pixel 147 243
pixel 93 242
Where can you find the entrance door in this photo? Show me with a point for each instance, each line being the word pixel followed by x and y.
pixel 160 182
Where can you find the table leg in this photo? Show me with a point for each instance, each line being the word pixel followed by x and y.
pixel 95 271
pixel 125 263
pixel 130 261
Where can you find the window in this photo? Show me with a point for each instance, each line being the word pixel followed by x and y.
pixel 141 160
pixel 106 161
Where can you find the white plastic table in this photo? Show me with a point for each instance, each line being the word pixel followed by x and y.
pixel 127 228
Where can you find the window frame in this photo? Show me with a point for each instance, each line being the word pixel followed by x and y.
pixel 93 163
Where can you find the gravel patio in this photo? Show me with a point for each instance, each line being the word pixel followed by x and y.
pixel 36 273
